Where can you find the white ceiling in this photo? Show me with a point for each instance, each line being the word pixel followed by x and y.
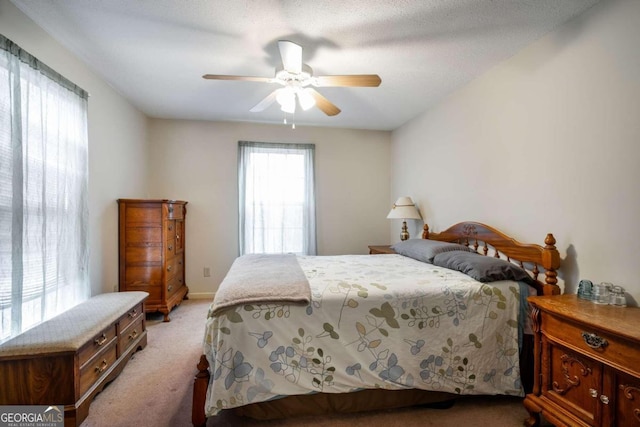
pixel 154 52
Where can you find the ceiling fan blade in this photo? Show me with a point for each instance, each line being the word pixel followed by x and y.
pixel 361 80
pixel 266 102
pixel 291 54
pixel 323 103
pixel 241 78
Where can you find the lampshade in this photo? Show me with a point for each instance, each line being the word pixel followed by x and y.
pixel 404 208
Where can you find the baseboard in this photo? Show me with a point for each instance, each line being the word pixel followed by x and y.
pixel 201 295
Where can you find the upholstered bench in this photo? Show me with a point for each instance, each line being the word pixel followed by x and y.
pixel 69 358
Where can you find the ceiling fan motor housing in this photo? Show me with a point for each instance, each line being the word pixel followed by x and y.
pixel 288 78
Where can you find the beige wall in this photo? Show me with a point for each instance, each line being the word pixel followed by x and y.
pixel 548 141
pixel 197 161
pixel 117 143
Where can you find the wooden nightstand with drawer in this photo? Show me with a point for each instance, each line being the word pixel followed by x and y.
pixel 382 249
pixel 587 363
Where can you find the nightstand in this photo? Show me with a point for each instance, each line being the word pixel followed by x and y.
pixel 586 363
pixel 383 249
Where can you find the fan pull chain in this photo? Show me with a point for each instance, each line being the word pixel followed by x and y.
pixel 293 120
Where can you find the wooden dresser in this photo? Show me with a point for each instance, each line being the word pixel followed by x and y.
pixel 587 363
pixel 151 251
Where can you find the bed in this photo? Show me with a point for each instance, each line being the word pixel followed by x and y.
pixel 375 331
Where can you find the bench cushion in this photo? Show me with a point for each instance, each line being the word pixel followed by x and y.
pixel 68 331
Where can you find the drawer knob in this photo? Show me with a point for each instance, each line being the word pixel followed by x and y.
pixel 604 399
pixel 133 334
pixel 593 392
pixel 103 366
pixel 170 288
pixel 594 341
pixel 101 340
pixel 170 248
pixel 168 268
pixel 133 313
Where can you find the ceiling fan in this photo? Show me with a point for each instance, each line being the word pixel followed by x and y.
pixel 296 79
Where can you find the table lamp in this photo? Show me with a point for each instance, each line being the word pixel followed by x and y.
pixel 404 209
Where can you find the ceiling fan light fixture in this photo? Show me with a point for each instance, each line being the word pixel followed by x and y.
pixel 306 100
pixel 288 108
pixel 286 97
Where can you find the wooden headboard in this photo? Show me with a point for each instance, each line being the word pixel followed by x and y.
pixel 487 240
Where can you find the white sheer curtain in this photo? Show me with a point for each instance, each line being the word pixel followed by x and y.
pixel 276 198
pixel 43 192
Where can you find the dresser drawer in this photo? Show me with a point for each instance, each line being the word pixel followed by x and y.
pixel 129 334
pixel 170 250
pixel 91 372
pixel 143 235
pixel 173 285
pixel 141 214
pixel 170 239
pixel 174 210
pixel 142 275
pixel 180 272
pixel 169 230
pixel 172 267
pixel 97 343
pixel 144 253
pixel 598 344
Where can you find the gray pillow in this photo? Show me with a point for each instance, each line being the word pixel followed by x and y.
pixel 480 267
pixel 424 249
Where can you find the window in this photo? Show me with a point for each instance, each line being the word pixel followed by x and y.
pixel 43 192
pixel 276 198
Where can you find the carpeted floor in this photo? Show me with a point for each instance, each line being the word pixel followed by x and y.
pixel 155 389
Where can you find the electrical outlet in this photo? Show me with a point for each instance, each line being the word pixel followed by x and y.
pixel 207 272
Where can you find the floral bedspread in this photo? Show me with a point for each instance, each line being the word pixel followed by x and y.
pixel 375 321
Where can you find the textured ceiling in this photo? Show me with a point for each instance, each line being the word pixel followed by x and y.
pixel 154 52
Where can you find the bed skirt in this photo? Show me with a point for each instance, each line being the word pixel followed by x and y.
pixel 327 403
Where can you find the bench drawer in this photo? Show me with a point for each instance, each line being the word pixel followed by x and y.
pixel 130 334
pixel 132 315
pixel 91 372
pixel 95 344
